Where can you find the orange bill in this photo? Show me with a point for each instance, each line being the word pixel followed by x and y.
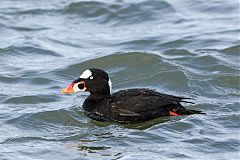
pixel 69 89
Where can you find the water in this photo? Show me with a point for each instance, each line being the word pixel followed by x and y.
pixel 186 48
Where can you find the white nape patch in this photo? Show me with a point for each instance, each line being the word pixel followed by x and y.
pixel 110 85
pixel 86 74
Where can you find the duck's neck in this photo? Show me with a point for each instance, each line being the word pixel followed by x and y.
pixel 98 96
pixel 94 102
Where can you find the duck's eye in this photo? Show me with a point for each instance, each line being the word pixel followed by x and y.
pixel 91 77
pixel 81 86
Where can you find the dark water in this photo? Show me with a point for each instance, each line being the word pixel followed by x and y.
pixel 187 48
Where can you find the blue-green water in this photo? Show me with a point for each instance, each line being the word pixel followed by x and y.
pixel 186 48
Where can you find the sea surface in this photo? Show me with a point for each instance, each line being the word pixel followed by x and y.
pixel 187 48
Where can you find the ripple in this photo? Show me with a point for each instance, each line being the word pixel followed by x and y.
pixel 29 10
pixel 153 44
pixel 226 81
pixel 110 63
pixel 234 50
pixel 31 99
pixel 177 53
pixel 8 79
pixel 29 79
pixel 175 43
pixel 127 13
pixel 28 29
pixel 40 81
pixel 58 125
pixel 28 50
pixel 229 121
pixel 92 148
pixel 139 44
pixel 41 118
pixel 23 139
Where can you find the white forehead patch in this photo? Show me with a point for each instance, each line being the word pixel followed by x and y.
pixel 86 74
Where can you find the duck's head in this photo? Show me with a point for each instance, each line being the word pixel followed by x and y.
pixel 93 80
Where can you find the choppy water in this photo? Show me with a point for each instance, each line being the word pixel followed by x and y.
pixel 187 48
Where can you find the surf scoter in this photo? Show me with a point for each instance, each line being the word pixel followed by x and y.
pixel 130 105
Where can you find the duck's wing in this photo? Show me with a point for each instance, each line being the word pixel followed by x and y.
pixel 126 113
pixel 129 93
pixel 139 102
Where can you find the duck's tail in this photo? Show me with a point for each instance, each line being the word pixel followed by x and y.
pixel 180 110
pixel 185 112
pixel 189 112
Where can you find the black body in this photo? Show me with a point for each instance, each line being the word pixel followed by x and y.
pixel 135 105
pixel 131 105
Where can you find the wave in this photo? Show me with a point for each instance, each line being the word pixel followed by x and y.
pixel 31 99
pixel 119 13
pixel 102 12
pixel 233 50
pixel 27 50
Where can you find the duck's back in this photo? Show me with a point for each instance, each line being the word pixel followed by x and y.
pixel 143 104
